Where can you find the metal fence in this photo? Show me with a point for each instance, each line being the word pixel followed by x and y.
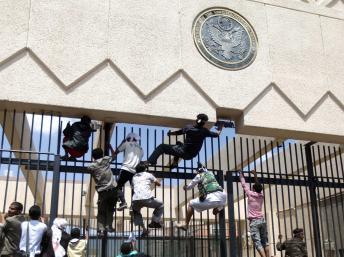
pixel 303 187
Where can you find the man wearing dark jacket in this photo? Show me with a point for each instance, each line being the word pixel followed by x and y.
pixel 11 230
pixel 194 136
pixel 294 247
pixel 75 141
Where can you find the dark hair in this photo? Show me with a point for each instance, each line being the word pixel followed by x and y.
pixel 18 206
pixel 35 212
pixel 297 231
pixel 85 119
pixel 75 233
pixel 257 187
pixel 141 167
pixel 97 153
pixel 126 248
pixel 202 117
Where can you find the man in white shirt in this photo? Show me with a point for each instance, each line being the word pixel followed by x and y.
pixel 144 197
pixel 32 233
pixel 133 154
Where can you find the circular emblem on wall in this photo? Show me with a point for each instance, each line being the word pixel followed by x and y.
pixel 225 38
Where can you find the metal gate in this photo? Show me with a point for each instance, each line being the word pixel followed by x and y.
pixel 303 187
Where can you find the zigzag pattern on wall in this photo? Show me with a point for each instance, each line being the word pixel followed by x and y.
pixel 162 86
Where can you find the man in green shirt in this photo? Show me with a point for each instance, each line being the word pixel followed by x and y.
pixel 11 230
pixel 294 247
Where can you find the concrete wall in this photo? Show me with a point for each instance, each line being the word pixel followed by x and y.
pixel 136 61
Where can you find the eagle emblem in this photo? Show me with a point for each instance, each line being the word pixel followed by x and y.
pixel 225 38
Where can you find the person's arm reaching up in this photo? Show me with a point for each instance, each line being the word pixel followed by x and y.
pixel 113 152
pixel 255 176
pixel 243 183
pixel 216 133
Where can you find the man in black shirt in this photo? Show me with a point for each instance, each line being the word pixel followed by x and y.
pixel 194 136
pixel 75 141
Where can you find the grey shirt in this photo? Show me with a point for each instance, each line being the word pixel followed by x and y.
pixel 10 235
pixel 102 174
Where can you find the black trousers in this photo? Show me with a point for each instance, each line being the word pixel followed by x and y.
pixel 124 177
pixel 174 150
pixel 106 207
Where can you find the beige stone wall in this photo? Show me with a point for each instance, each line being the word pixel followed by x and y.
pixel 136 61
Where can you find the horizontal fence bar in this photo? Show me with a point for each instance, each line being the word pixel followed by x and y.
pixel 278 179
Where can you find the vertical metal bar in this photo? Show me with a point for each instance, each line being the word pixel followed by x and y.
pixel 276 187
pixel 171 214
pixel 222 221
pixel 330 192
pixel 216 219
pixel 47 164
pixel 232 228
pixel 163 199
pixel 293 181
pixel 155 231
pixel 282 189
pixel 20 155
pixel 288 187
pixel 39 157
pixel 324 197
pixel 147 142
pixel 335 192
pixel 208 225
pixel 29 166
pixel 269 185
pixel 300 188
pixel 107 138
pixel 313 196
pixel 340 190
pixel 245 202
pixel 9 164
pixel 239 244
pixel 55 190
pixel 304 165
pixel 249 173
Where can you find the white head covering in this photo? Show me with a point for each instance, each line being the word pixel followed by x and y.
pixel 58 226
pixel 131 136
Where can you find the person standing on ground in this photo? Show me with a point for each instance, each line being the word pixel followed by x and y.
pixel 101 172
pixel 294 247
pixel 194 137
pixel 32 233
pixel 144 197
pixel 133 154
pixel 11 230
pixel 211 195
pixel 77 247
pixel 258 228
pixel 55 239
